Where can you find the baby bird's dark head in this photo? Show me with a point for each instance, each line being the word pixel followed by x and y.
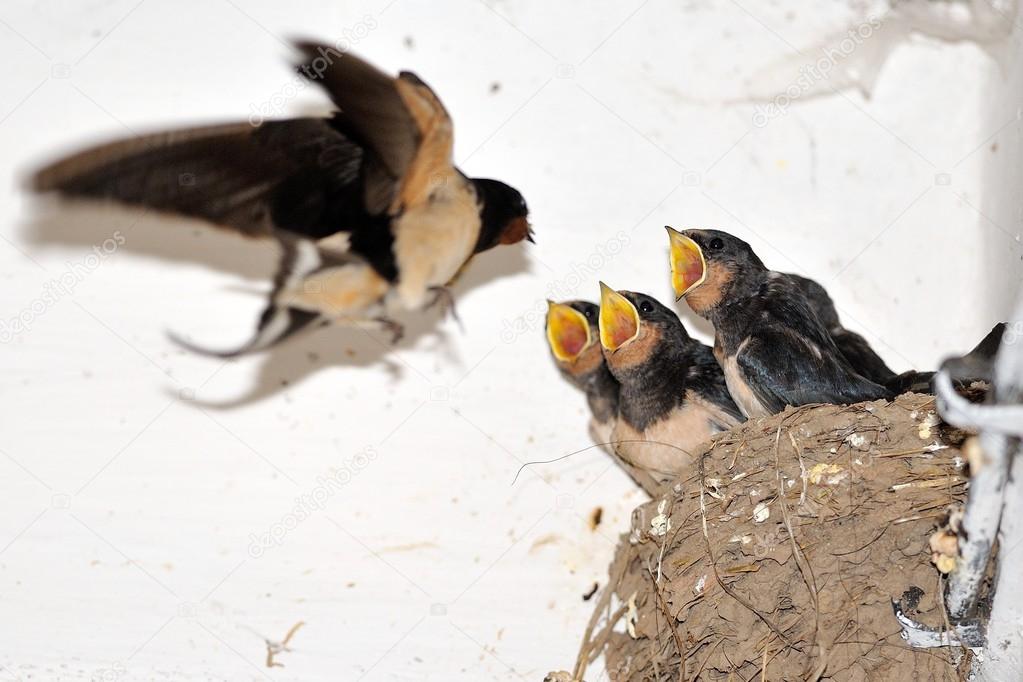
pixel 572 337
pixel 503 214
pixel 636 328
pixel 709 267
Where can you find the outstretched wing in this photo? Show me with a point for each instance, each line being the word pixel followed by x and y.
pixel 298 175
pixel 401 123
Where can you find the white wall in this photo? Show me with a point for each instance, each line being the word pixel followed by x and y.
pixel 128 497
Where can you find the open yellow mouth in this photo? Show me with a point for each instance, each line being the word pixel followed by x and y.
pixel 619 320
pixel 568 332
pixel 688 268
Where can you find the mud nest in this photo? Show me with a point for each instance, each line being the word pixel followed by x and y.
pixel 779 560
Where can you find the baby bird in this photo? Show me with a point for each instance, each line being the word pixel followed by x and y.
pixel 853 347
pixel 572 336
pixel 673 396
pixel 768 337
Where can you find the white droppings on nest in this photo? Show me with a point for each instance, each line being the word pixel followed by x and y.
pixel 857 440
pixel 761 512
pixel 753 541
pixel 660 524
pixel 827 474
pixel 926 426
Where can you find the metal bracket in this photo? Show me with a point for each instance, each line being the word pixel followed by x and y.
pixel 968 634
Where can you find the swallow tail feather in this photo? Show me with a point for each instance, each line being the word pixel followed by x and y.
pixel 279 321
pixel 974 366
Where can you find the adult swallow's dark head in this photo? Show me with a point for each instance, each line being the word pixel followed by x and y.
pixel 710 266
pixel 503 213
pixel 572 336
pixel 635 328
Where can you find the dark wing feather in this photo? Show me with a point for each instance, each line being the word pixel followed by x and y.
pixel 817 297
pixel 860 356
pixel 853 347
pixel 298 175
pixel 782 368
pixel 372 110
pixel 790 358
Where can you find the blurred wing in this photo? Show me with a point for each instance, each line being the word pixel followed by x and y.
pixel 432 163
pixel 298 175
pixel 400 121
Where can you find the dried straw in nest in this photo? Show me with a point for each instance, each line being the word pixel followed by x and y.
pixel 779 560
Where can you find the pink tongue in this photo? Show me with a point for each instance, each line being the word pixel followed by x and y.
pixel 693 273
pixel 624 327
pixel 573 340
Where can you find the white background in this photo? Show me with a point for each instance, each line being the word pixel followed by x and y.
pixel 133 475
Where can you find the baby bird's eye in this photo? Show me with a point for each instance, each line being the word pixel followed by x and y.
pixel 590 313
pixel 646 307
pixel 716 244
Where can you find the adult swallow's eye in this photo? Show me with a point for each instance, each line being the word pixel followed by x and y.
pixel 716 244
pixel 590 313
pixel 646 307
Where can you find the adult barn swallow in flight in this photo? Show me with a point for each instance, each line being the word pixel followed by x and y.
pixel 673 396
pixel 768 337
pixel 372 214
pixel 572 331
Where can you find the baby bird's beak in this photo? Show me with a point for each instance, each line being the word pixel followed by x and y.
pixel 568 332
pixel 688 267
pixel 619 319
